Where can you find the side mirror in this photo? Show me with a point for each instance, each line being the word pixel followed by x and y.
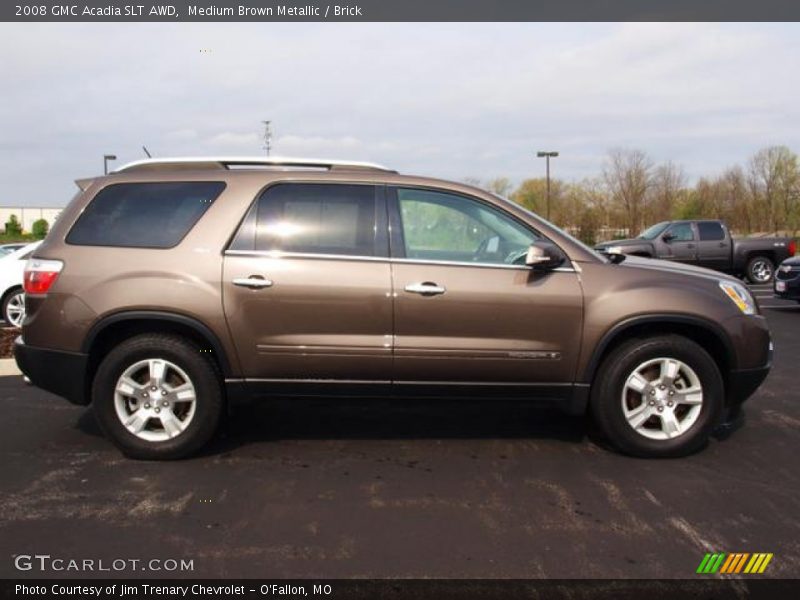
pixel 543 256
pixel 668 237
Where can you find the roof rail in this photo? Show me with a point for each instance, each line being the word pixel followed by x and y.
pixel 233 162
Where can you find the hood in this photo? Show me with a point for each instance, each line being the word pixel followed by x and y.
pixel 674 267
pixel 623 243
pixel 794 261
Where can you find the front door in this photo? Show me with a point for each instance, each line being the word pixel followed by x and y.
pixel 467 309
pixel 307 285
pixel 680 244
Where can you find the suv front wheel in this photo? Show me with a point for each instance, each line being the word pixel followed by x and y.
pixel 157 397
pixel 658 397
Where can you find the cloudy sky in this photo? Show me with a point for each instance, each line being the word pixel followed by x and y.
pixel 450 100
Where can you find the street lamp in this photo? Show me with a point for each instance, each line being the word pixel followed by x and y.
pixel 547 155
pixel 106 158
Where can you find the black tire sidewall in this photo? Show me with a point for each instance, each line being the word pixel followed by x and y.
pixel 6 299
pixel 200 370
pixel 607 403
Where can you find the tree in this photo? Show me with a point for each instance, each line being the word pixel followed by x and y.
pixel 628 175
pixel 13 226
pixel 774 178
pixel 40 228
pixel 667 191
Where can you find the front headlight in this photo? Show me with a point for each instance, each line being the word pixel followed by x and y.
pixel 739 295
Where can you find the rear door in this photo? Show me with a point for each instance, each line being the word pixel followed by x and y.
pixel 467 309
pixel 306 285
pixel 713 245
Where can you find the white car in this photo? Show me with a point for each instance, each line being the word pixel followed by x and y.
pixel 12 297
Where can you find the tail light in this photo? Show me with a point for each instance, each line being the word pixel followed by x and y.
pixel 40 275
pixel 792 247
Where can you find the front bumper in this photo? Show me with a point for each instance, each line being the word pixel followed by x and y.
pixel 742 383
pixel 56 371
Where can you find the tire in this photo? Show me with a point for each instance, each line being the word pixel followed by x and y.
pixel 146 375
pixel 760 269
pixel 13 309
pixel 614 394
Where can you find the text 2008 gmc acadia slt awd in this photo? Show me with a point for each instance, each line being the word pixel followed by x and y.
pixel 173 287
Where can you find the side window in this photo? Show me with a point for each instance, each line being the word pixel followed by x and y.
pixel 311 219
pixel 682 232
pixel 446 227
pixel 710 231
pixel 143 215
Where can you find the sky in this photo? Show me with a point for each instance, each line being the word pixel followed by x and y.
pixel 448 100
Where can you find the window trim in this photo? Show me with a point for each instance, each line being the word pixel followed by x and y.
pixel 707 222
pixel 118 183
pixel 691 226
pixel 397 246
pixel 380 225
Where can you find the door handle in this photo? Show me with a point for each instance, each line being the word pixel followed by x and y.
pixel 426 288
pixel 690 245
pixel 254 282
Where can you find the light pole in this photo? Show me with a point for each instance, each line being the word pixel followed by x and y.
pixel 267 136
pixel 106 158
pixel 547 155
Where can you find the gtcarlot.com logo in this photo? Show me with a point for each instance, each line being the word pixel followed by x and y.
pixel 732 563
pixel 46 562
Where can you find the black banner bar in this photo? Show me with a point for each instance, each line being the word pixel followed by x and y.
pixel 406 589
pixel 400 10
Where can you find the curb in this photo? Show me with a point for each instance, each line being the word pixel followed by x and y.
pixel 8 366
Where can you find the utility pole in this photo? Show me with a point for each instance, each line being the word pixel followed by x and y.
pixel 267 136
pixel 547 155
pixel 106 158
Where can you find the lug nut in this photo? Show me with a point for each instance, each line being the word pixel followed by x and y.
pixel 671 393
pixel 158 410
pixel 145 395
pixel 154 388
pixel 670 403
pixel 165 403
pixel 147 405
pixel 660 409
pixel 652 403
pixel 652 392
pixel 163 392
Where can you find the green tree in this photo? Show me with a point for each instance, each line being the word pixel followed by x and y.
pixel 40 228
pixel 13 226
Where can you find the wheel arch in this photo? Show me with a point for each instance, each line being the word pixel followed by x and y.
pixel 707 334
pixel 117 327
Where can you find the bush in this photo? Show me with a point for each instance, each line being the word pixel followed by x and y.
pixel 13 226
pixel 40 229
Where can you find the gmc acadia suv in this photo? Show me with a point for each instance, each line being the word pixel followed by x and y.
pixel 172 288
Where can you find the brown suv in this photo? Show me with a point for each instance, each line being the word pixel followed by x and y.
pixel 172 288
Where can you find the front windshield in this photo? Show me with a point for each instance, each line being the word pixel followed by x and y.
pixel 653 232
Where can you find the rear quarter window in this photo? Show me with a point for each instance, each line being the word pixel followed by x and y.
pixel 143 215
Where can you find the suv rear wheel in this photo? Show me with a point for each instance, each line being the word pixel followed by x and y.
pixel 658 397
pixel 157 397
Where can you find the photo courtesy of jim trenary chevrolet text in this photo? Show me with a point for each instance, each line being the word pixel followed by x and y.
pixel 450 299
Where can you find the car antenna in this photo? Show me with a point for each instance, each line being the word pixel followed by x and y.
pixel 146 151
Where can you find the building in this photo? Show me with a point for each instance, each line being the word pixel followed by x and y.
pixel 27 215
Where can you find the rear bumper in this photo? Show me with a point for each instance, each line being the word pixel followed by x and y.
pixel 56 371
pixel 791 288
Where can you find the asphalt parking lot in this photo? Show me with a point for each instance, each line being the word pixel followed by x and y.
pixel 378 489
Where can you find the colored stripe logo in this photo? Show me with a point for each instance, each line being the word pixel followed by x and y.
pixel 737 562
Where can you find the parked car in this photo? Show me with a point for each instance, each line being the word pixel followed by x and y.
pixel 12 296
pixel 172 288
pixel 707 243
pixel 787 279
pixel 9 248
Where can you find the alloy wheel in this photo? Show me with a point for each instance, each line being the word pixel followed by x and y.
pixel 662 398
pixel 155 399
